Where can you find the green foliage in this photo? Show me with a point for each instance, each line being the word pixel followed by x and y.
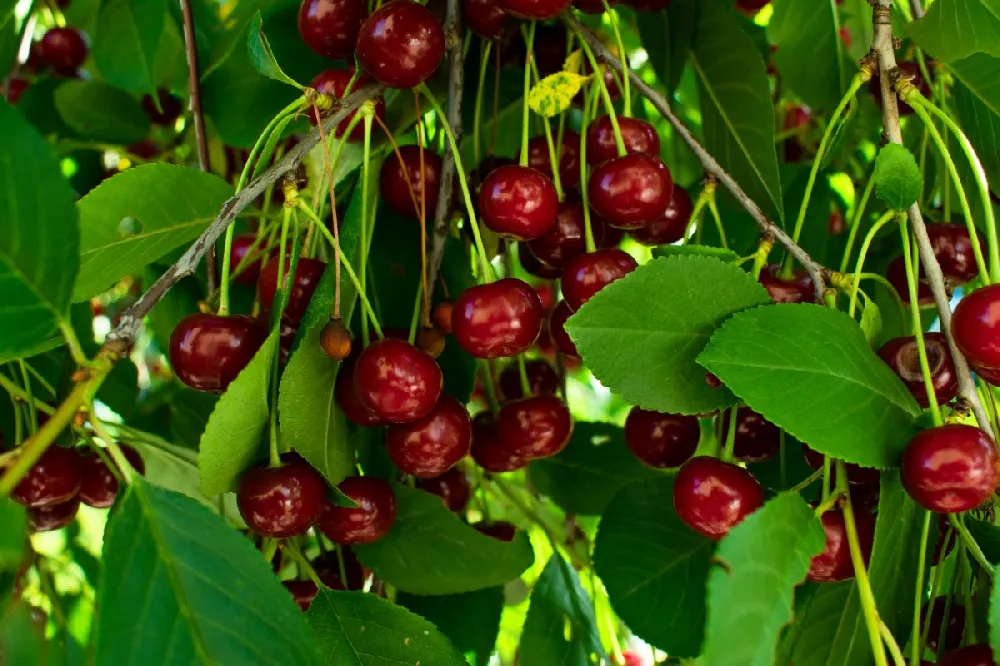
pixel 700 250
pixel 956 29
pixel 13 533
pixel 127 45
pixel 471 621
pixel 667 36
pixel 810 52
pixel 897 177
pixel 977 102
pixel 262 56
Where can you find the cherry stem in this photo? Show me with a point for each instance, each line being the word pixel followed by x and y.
pixel 707 192
pixel 73 343
pixel 859 212
pixel 916 644
pixel 19 394
pixel 125 468
pixel 761 255
pixel 626 86
pixel 730 444
pixel 886 218
pixel 890 642
pixel 362 285
pixel 588 110
pixel 488 387
pixel 970 543
pixel 414 320
pixel 608 104
pixel 523 372
pixel 718 220
pixel 32 410
pixel 554 155
pixel 484 59
pixel 305 567
pixel 529 41
pixel 328 177
pixel 423 211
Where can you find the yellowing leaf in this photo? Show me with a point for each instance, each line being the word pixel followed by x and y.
pixel 553 94
pixel 574 62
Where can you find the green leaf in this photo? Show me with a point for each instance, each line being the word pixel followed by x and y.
pixel 39 244
pixel 764 558
pixel 230 33
pixel 22 641
pixel 553 94
pixel 139 215
pixel 101 112
pixel 955 29
pixel 13 533
pixel 127 41
pixel 431 551
pixel 235 437
pixel 644 349
pixel 654 567
pixel 587 474
pixel 977 102
pixel 987 536
pixel 181 587
pixel 994 619
pixel 471 621
pixel 173 468
pixel 809 370
pixel 871 322
pixel 720 253
pixel 809 51
pixel 667 35
pixel 261 55
pixel 897 177
pixel 560 628
pixel 737 114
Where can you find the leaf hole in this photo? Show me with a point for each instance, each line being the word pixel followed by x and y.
pixel 129 226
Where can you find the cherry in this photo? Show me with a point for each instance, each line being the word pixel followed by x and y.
pixel 953 249
pixel 903 356
pixel 661 440
pixel 397 381
pixel 281 501
pixel 950 468
pixel 837 224
pixel 307 275
pixel 564 240
pixel 954 629
pixel 497 319
pixel 98 484
pixel 988 375
pixel 856 475
pixel 569 158
pixel 971 655
pixel 535 427
pixel 402 172
pixel 369 521
pixel 591 6
pixel 757 439
pixel 327 567
pixel 542 379
pixel 53 479
pixel 486 19
pixel 632 658
pixel 500 530
pixel 557 329
pixel 434 444
pixel 631 191
pixel 452 487
pixel 834 563
pixel 347 399
pixel 302 591
pixel 647 5
pixel 637 135
pixel 797 116
pixel 63 49
pixel 796 289
pixel 518 202
pixel 330 27
pixel 910 70
pixel 489 451
pixel 587 274
pixel 334 82
pixel 208 351
pixel 243 245
pixel 170 109
pixel 896 274
pixel 401 44
pixel 534 266
pixel 752 6
pixel 671 226
pixel 52 516
pixel 15 88
pixel 975 326
pixel 712 496
pixel 536 10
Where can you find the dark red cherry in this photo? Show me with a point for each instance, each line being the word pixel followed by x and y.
pixel 661 440
pixel 330 27
pixel 903 356
pixel 348 400
pixel 712 496
pixel 486 19
pixel 536 10
pixel 565 239
pixel 307 275
pixel 500 530
pixel 401 44
pixel 834 563
pixel 402 172
pixel 281 501
pixel 856 475
pixel 302 591
pixel 953 250
pixel 53 479
pixel 52 516
pixel 591 6
pixel 975 326
pixel 542 379
pixel 980 654
pixel 671 226
pixel 98 484
pixel 170 109
pixel 631 191
pixel 489 451
pixel 587 274
pixel 954 629
pixel 569 158
pixel 15 88
pixel 434 444
pixel 452 487
pixel 534 266
pixel 369 521
pixel 63 49
pixel 796 289
pixel 334 82
pixel 910 70
pixel 988 375
pixel 647 5
pixel 752 5
pixel 208 351
pixel 637 135
pixel 243 245
pixel 518 202
pixel 327 567
pixel 397 381
pixel 757 439
pixel 557 329
pixel 535 427
pixel 896 274
pixel 796 116
pixel 497 319
pixel 950 468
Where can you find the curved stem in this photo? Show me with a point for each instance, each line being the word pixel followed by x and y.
pixel 861 577
pixel 529 42
pixel 970 543
pixel 589 104
pixel 915 643
pixel 477 118
pixel 362 285
pixel 626 86
pixel 555 155
pixel 856 223
pixel 486 376
pixel 887 217
pixel 20 394
pixel 608 104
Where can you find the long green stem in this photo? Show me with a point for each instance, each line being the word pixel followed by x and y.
pixel 17 392
pixel 486 376
pixel 32 409
pixel 484 59
pixel 859 211
pixel 861 578
pixel 529 41
pixel 363 282
pixel 970 543
pixel 608 104
pixel 588 228
pixel 887 217
pixel 626 91
pixel 555 155
pixel 915 644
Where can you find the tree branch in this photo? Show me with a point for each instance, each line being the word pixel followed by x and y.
pixel 917 8
pixel 883 48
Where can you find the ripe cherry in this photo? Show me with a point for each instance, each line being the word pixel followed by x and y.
pixel 402 186
pixel 637 135
pixel 631 191
pixel 712 496
pixel 896 274
pixel 500 530
pixel 401 44
pixel 281 501
pixel 63 49
pixel 497 319
pixel 587 274
pixel 903 356
pixel 557 329
pixel 953 249
pixel 569 158
pixel 170 109
pixel 834 563
pixel 452 487
pixel 369 521
pixel 856 475
pixel 752 6
pixel 397 381
pixel 518 202
pixel 16 88
pixel 535 427
pixel 591 6
pixel 542 379
pixel 910 70
pixel 334 82
pixel 980 654
pixel 536 10
pixel 647 5
pixel 52 516
pixel 661 440
pixel 954 629
pixel 489 451
pixel 53 479
pixel 330 27
pixel 434 444
pixel 565 239
pixel 671 226
pixel 796 289
pixel 950 468
pixel 208 351
pixel 757 439
pixel 303 592
pixel 975 326
pixel 307 275
pixel 347 399
pixel 243 245
pixel 486 19
pixel 327 567
pixel 534 266
pixel 98 484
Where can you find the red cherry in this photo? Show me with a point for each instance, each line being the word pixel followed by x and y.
pixel 903 356
pixel 208 351
pixel 369 521
pixel 647 5
pixel 281 501
pixel 534 266
pixel 98 485
pixel 564 240
pixel 950 468
pixel 15 88
pixel 536 10
pixel 334 82
pixel 401 44
pixel 954 630
pixel 631 191
pixel 975 326
pixel 500 530
pixel 634 658
pixel 856 475
pixel 327 567
pixel 910 70
pixel 434 444
pixel 971 655
pixel 752 5
pixel 397 381
pixel 401 172
pixel 591 6
pixel 953 249
pixel 896 274
pixel 52 516
pixel 170 109
pixel 796 289
pixel 637 135
pixel 712 496
pixel 569 158
pixel 834 563
pixel 486 19
pixel 53 479
pixel 587 274
pixel 302 591
pixel 497 319
pixel 535 427
pixel 988 375
pixel 796 116
pixel 452 487
pixel 542 379
pixel 557 329
pixel 518 202
pixel 330 27
pixel 63 49
pixel 671 227
pixel 348 399
pixel 661 440
pixel 307 275
pixel 489 451
pixel 243 245
pixel 757 439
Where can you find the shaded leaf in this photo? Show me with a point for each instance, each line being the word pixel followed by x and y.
pixel 261 55
pixel 809 51
pixel 667 36
pixel 13 533
pixel 471 621
pixel 955 29
pixel 101 112
pixel 127 41
pixel 897 177
pixel 977 102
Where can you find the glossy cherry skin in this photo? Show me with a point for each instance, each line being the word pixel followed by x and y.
pixel 671 226
pixel 303 592
pixel 834 563
pixel 954 629
pixel 910 70
pixel 971 655
pixel 369 521
pixel 533 266
pixel 63 49
pixel 953 249
pixel 402 172
pixel 434 444
pixel 661 440
pixel 401 44
pixel 52 516
pixel 397 381
pixel 307 275
pixel 98 484
pixel 542 379
pixel 518 202
pixel 497 319
pixel 796 289
pixel 637 135
pixel 330 27
pixel 486 19
pixel 489 451
pixel 896 275
pixel 243 245
pixel 557 329
pixel 500 530
pixel 170 109
pixel 327 567
pixel 975 326
pixel 347 399
pixel 569 158
pixel 208 351
pixel 452 487
pixel 903 356
pixel 16 88
pixel 334 82
pixel 53 479
pixel 565 239
pixel 536 10
pixel 757 439
pixel 856 475
pixel 281 501
pixel 712 496
pixel 631 191
pixel 535 427
pixel 950 468
pixel 587 274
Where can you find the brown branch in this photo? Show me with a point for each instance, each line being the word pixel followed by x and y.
pixel 768 228
pixel 917 8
